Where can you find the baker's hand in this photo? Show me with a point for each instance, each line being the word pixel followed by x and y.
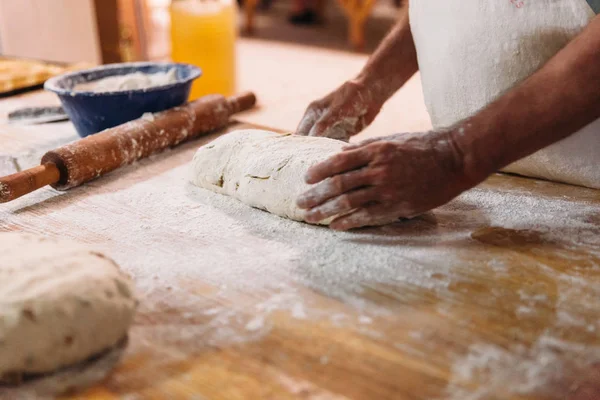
pixel 380 180
pixel 341 114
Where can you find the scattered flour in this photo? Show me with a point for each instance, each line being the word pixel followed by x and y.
pixel 229 268
pixel 3 190
pixel 235 249
pixel 543 369
pixel 256 323
pixel 15 157
pixel 525 311
pixel 298 311
pixel 148 117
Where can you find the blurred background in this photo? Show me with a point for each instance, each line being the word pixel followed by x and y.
pixel 126 30
pixel 290 52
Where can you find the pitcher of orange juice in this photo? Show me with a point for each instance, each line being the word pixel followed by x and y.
pixel 203 33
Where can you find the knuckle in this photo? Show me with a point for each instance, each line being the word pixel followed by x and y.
pixel 318 214
pixel 387 147
pixel 363 178
pixel 339 162
pixel 311 197
pixel 377 175
pixel 352 85
pixel 316 105
pixel 348 85
pixel 383 175
pixel 387 150
pixel 374 173
pixel 320 127
pixel 314 215
pixel 387 195
pixel 345 201
pixel 337 182
pixel 367 213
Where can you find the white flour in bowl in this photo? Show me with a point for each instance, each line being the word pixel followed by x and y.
pixel 133 81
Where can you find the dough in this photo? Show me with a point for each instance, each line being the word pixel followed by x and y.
pixel 60 304
pixel 260 168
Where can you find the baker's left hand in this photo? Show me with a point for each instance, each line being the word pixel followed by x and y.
pixel 380 180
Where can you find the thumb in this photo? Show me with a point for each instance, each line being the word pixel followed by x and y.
pixel 311 116
pixel 335 127
pixel 362 143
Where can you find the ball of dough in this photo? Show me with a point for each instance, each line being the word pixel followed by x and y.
pixel 60 304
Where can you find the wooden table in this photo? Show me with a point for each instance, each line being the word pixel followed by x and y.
pixel 494 296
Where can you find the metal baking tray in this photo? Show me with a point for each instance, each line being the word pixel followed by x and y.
pixel 19 81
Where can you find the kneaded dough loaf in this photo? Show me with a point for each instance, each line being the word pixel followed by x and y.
pixel 262 169
pixel 60 303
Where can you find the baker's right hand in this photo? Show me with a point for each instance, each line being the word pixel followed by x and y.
pixel 341 114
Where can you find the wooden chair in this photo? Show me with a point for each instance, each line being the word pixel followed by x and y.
pixel 249 11
pixel 356 11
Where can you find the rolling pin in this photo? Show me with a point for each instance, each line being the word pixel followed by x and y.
pixel 96 155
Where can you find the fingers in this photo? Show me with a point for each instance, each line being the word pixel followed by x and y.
pixel 341 205
pixel 371 215
pixel 324 123
pixel 354 146
pixel 338 124
pixel 337 164
pixel 327 127
pixel 334 187
pixel 362 143
pixel 308 121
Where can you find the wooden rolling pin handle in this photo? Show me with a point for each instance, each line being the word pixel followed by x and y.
pixel 19 184
pixel 241 102
pixel 99 154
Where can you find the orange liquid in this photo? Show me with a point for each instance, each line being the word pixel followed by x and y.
pixel 203 33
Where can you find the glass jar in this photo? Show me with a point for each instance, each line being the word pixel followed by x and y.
pixel 203 33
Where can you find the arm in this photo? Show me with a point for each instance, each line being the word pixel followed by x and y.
pixel 393 63
pixel 353 106
pixel 378 181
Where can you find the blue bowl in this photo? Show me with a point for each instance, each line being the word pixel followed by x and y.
pixel 93 112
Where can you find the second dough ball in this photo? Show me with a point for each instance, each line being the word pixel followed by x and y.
pixel 61 303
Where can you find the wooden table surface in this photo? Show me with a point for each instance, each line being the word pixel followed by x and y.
pixel 494 296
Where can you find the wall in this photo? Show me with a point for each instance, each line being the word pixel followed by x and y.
pixel 54 30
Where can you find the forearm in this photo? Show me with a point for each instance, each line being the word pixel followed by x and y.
pixel 393 63
pixel 553 103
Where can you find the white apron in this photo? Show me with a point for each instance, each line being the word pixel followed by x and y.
pixel 471 51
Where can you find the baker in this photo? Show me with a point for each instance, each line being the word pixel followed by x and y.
pixel 510 85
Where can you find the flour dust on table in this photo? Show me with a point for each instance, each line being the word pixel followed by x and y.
pixel 262 169
pixel 215 275
pixel 63 307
